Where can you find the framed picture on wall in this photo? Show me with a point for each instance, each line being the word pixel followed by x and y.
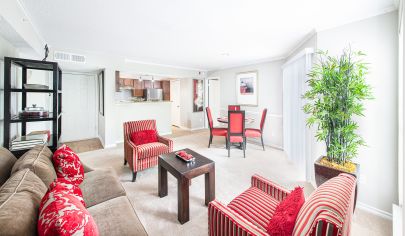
pixel 198 95
pixel 246 88
pixel 100 80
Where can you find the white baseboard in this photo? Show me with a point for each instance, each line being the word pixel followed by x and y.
pixel 199 128
pixel 101 141
pixel 374 210
pixel 398 220
pixel 258 142
pixel 110 145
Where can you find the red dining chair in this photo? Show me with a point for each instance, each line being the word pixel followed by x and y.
pixel 214 131
pixel 256 133
pixel 236 130
pixel 233 107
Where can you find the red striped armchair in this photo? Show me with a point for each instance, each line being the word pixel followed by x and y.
pixel 146 155
pixel 328 211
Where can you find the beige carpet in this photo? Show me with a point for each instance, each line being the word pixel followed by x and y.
pixel 85 145
pixel 159 215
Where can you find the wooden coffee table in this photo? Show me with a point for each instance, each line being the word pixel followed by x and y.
pixel 184 172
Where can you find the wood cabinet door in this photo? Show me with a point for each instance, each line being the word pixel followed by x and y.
pixel 166 90
pixel 157 84
pixel 147 84
pixel 129 82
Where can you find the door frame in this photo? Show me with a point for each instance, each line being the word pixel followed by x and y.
pixel 94 75
pixel 207 95
pixel 179 102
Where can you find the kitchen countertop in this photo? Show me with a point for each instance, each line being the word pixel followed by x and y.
pixel 131 102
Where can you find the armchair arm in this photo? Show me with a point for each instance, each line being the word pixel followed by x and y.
pixel 166 141
pixel 224 221
pixel 273 189
pixel 131 153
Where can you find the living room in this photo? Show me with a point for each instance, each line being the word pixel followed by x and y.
pixel 187 71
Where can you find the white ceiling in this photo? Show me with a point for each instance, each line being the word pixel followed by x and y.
pixel 204 34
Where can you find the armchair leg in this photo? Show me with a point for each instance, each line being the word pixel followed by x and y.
pixel 244 147
pixel 228 146
pixel 125 161
pixel 261 137
pixel 209 143
pixel 134 176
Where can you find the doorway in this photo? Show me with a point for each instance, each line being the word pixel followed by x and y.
pixel 79 97
pixel 214 99
pixel 175 99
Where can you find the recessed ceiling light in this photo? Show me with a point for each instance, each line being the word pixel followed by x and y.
pixel 225 54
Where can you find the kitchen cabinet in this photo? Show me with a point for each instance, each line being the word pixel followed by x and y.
pixel 166 90
pixel 138 88
pixel 157 84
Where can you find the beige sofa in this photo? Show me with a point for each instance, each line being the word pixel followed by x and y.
pixel 24 182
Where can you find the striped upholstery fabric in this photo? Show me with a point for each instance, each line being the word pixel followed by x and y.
pixel 223 221
pixel 273 189
pixel 143 156
pixel 152 149
pixel 328 211
pixel 255 206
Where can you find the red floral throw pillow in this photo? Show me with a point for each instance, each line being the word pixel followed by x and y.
pixel 62 214
pixel 283 220
pixel 67 165
pixel 144 136
pixel 62 185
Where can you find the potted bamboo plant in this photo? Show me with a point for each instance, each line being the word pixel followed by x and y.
pixel 337 90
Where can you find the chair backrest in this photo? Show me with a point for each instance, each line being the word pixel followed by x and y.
pixel 264 114
pixel 236 123
pixel 329 209
pixel 139 125
pixel 209 117
pixel 233 107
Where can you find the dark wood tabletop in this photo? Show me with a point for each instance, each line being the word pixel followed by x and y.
pixel 184 172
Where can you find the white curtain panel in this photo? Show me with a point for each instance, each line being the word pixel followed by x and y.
pixel 294 119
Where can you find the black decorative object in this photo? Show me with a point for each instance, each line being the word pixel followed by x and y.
pixel 46 52
pixel 11 116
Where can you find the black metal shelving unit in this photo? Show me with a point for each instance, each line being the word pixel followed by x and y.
pixel 55 116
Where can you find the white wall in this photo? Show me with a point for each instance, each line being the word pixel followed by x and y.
pixel 377 37
pixel 270 89
pixel 6 49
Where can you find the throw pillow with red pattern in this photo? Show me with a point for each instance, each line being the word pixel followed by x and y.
pixel 63 214
pixel 284 217
pixel 144 136
pixel 63 185
pixel 67 165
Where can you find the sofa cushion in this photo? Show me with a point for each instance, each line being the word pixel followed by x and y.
pixel 152 150
pixel 62 214
pixel 7 160
pixel 38 160
pixel 330 207
pixel 99 186
pixel 67 165
pixel 255 206
pixel 20 197
pixel 283 220
pixel 117 217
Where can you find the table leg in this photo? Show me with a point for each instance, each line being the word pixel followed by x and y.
pixel 162 185
pixel 183 210
pixel 210 186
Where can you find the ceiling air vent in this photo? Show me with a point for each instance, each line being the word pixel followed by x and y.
pixel 68 57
